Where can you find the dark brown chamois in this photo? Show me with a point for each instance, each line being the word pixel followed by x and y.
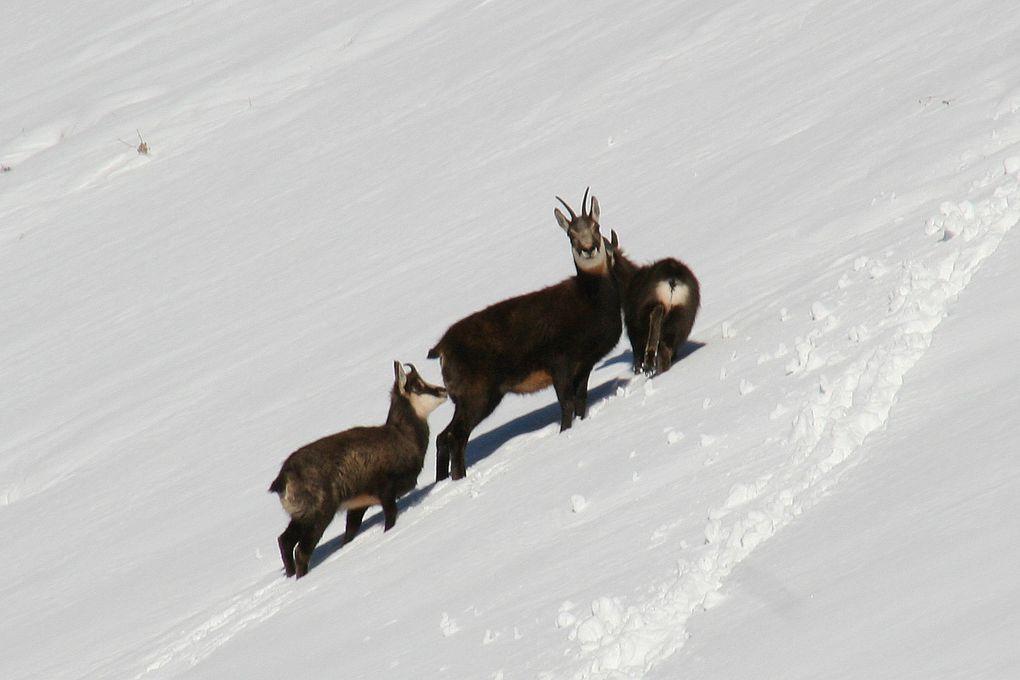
pixel 660 301
pixel 355 469
pixel 552 336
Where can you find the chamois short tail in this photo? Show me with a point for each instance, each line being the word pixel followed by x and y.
pixel 433 353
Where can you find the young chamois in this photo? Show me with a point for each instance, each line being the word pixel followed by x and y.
pixel 355 469
pixel 660 301
pixel 552 336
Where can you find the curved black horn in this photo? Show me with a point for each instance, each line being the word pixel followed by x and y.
pixel 572 215
pixel 584 201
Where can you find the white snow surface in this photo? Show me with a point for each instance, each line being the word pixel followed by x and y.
pixel 825 485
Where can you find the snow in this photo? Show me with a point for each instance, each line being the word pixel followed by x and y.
pixel 823 486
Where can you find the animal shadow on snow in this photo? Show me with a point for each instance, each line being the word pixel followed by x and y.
pixel 485 445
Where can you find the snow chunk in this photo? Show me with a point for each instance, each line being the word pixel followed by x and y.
pixel 448 625
pixel 819 311
pixel 578 503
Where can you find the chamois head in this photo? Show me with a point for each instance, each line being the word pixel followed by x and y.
pixel 424 397
pixel 591 252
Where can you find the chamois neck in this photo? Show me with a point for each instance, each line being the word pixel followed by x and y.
pixel 403 417
pixel 623 269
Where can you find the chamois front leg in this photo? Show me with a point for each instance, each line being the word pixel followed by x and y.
pixel 581 392
pixel 563 383
pixel 389 506
pixel 654 338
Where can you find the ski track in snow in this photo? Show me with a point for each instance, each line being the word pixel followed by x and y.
pixel 621 639
pixel 188 644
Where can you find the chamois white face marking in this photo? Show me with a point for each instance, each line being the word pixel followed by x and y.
pixel 591 259
pixel 424 397
pixel 673 293
pixel 424 403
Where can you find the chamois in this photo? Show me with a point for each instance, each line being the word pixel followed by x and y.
pixel 355 469
pixel 660 301
pixel 552 336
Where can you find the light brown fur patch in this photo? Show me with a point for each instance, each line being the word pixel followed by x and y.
pixel 360 501
pixel 535 381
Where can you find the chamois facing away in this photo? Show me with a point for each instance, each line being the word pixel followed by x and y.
pixel 355 469
pixel 551 336
pixel 660 301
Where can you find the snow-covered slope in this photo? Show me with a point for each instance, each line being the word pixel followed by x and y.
pixel 822 486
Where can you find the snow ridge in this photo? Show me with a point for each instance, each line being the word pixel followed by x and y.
pixel 827 429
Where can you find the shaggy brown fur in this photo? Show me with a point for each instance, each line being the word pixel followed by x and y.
pixel 355 469
pixel 551 336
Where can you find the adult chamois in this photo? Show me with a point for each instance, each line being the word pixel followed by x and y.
pixel 660 301
pixel 355 469
pixel 551 336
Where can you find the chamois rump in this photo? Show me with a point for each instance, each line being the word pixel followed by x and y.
pixel 660 301
pixel 355 469
pixel 551 336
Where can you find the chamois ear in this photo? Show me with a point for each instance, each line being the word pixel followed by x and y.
pixel 594 212
pixel 399 375
pixel 615 242
pixel 562 220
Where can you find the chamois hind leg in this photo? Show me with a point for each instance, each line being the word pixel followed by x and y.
pixel 452 442
pixel 311 534
pixel 287 540
pixel 654 337
pixel 677 328
pixel 565 384
pixel 354 517
pixel 664 358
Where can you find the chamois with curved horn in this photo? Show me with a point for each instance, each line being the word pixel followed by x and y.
pixel 551 336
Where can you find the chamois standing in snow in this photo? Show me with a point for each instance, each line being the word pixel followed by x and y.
pixel 660 301
pixel 355 469
pixel 551 336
